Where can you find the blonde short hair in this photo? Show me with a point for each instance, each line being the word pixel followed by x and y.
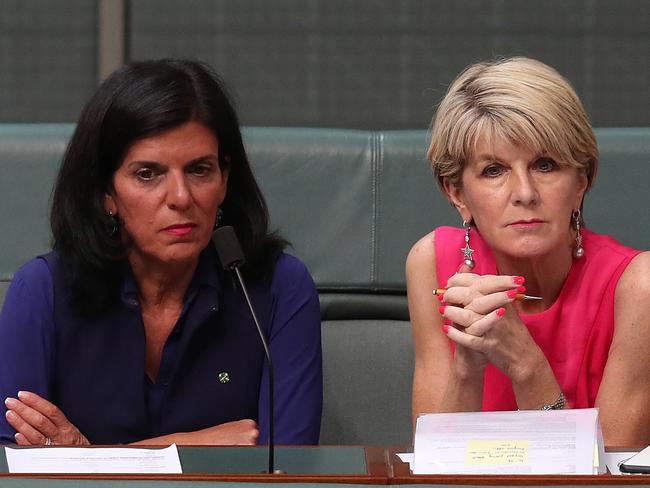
pixel 519 100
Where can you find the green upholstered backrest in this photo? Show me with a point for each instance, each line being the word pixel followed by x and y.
pixel 352 203
pixel 620 199
pixel 29 159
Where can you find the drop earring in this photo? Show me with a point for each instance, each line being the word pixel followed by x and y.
pixel 578 251
pixel 219 218
pixel 467 250
pixel 113 225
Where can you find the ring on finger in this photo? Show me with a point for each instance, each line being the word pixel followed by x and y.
pixel 48 441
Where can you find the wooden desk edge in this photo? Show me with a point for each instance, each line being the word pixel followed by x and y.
pixel 376 458
pixel 383 467
pixel 400 474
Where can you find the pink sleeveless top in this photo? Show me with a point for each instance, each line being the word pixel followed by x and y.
pixel 575 332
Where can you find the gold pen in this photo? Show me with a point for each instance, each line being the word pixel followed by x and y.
pixel 518 296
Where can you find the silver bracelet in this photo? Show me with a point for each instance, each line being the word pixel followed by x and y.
pixel 558 404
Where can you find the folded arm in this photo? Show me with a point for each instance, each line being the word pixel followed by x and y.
pixel 39 422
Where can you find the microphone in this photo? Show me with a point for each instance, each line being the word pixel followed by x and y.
pixel 232 257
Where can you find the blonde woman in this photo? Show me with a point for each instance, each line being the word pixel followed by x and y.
pixel 513 150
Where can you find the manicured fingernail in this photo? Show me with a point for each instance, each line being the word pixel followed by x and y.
pixel 521 289
pixel 512 293
pixel 10 415
pixel 442 309
pixel 519 280
pixel 440 297
pixel 21 394
pixel 445 328
pixel 501 312
pixel 10 402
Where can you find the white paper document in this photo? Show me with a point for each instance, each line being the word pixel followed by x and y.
pixel 406 457
pixel 523 442
pixel 124 460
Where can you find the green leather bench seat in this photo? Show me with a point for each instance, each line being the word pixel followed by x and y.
pixel 352 203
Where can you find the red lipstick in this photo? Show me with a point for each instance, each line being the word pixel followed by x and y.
pixel 180 229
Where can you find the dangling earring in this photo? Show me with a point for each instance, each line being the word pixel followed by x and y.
pixel 467 250
pixel 113 225
pixel 219 218
pixel 578 251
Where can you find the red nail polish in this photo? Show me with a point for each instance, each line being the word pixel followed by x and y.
pixel 440 297
pixel 445 328
pixel 501 312
pixel 521 289
pixel 512 293
pixel 519 280
pixel 442 309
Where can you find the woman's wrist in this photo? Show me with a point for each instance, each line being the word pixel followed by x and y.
pixel 464 391
pixel 535 385
pixel 467 376
pixel 527 367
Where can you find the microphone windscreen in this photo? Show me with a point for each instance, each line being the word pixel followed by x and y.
pixel 228 248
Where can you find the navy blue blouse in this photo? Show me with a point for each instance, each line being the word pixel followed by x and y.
pixel 212 368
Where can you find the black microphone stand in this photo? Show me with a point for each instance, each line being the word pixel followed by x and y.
pixel 269 363
pixel 232 257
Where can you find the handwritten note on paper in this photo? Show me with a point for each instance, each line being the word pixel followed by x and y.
pixel 526 442
pixel 496 452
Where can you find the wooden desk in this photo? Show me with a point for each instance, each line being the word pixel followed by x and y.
pixel 336 466
pixel 323 464
pixel 400 474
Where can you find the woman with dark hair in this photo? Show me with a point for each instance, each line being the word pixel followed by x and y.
pixel 129 331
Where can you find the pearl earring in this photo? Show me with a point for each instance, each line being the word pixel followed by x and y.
pixel 578 251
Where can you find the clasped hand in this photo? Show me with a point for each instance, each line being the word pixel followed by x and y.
pixel 485 324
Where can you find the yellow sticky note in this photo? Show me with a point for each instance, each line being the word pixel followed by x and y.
pixel 496 452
